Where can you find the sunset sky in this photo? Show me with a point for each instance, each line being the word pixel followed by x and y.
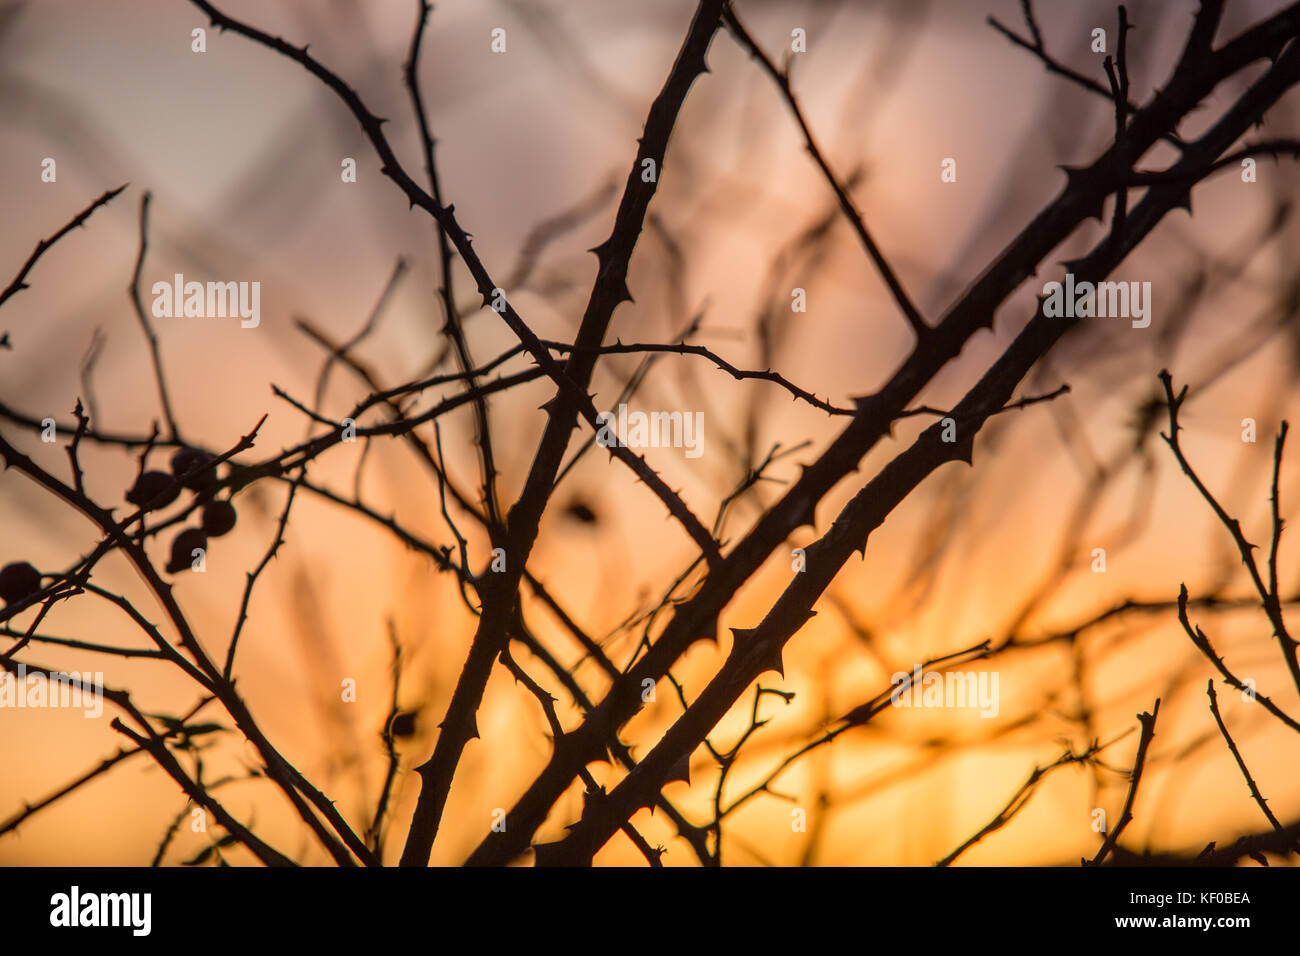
pixel 242 150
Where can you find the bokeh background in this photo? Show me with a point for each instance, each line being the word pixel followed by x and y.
pixel 241 150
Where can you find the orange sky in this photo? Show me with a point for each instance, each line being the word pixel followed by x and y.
pixel 241 151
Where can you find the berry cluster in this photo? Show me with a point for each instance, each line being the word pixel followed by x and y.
pixel 192 470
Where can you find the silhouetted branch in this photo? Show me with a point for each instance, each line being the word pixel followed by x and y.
pixel 228 670
pixel 609 291
pixel 374 835
pixel 1148 722
pixel 105 765
pixel 1241 763
pixel 452 328
pixel 1203 645
pixel 1081 198
pixel 20 280
pixel 145 324
pixel 782 80
pixel 1267 595
pixel 1022 797
pixel 612 287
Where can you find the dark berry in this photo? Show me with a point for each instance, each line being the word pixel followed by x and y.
pixel 403 724
pixel 183 546
pixel 218 517
pixel 18 581
pixel 581 512
pixel 189 459
pixel 153 489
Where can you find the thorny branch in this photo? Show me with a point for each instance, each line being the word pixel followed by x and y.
pixel 689 611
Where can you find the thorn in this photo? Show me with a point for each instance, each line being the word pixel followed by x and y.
pixel 601 252
pixel 680 770
pixel 748 641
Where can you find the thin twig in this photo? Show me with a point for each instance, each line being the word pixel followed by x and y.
pixel 228 670
pixel 20 280
pixel 1148 722
pixel 374 833
pixel 146 325
pixel 1236 755
pixel 452 327
pixel 1268 597
pixel 782 80
pixel 1022 797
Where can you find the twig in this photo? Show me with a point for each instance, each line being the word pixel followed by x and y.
pixel 1202 643
pixel 609 291
pixel 88 362
pixel 612 283
pixel 228 670
pixel 20 280
pixel 1241 763
pixel 78 479
pixel 1022 797
pixel 105 765
pixel 1267 595
pixel 374 833
pixel 1036 47
pixel 594 791
pixel 1117 74
pixel 1082 197
pixel 782 80
pixel 202 670
pixel 1148 722
pixel 452 327
pixel 371 323
pixel 619 348
pixel 145 324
